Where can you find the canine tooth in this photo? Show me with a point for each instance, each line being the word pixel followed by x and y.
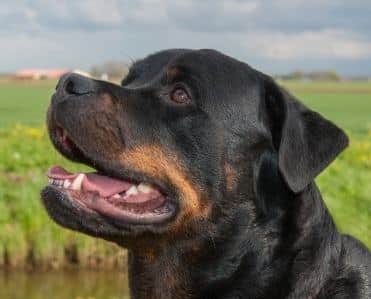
pixel 117 196
pixel 145 188
pixel 131 191
pixel 76 184
pixel 66 184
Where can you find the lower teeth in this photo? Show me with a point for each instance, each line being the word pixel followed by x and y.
pixel 162 209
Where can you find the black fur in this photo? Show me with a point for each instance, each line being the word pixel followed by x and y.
pixel 252 150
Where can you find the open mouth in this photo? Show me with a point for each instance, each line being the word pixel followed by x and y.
pixel 123 201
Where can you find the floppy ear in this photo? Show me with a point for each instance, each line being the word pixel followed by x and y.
pixel 306 142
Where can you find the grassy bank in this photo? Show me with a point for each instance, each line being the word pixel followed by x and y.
pixel 28 237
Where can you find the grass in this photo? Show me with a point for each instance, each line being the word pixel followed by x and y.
pixel 24 102
pixel 27 236
pixel 351 112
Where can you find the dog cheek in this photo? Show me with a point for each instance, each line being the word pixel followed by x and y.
pixel 154 161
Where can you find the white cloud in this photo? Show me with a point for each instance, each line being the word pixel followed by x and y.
pixel 148 12
pixel 239 7
pixel 327 43
pixel 100 12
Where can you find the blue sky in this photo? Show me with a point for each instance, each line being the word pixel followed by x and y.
pixel 275 36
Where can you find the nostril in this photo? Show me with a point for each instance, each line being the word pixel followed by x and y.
pixel 75 84
pixel 69 87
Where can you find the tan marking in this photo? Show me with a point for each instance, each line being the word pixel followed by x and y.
pixel 148 254
pixel 230 177
pixel 153 161
pixel 172 73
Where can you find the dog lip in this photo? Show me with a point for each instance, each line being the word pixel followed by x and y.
pixel 63 137
pixel 161 212
pixel 65 145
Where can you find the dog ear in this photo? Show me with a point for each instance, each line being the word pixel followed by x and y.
pixel 306 142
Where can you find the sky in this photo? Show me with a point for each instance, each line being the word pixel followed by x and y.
pixel 275 36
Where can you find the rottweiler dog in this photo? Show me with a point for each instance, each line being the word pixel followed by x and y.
pixel 205 172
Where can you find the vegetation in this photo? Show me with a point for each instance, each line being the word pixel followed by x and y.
pixel 29 238
pixel 24 101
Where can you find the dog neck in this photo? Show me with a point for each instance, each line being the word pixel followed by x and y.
pixel 159 273
pixel 241 253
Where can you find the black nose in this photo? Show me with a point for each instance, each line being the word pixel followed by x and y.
pixel 76 84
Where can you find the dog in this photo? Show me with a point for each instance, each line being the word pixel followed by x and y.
pixel 205 172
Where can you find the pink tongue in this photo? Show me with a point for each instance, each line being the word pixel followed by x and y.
pixel 93 182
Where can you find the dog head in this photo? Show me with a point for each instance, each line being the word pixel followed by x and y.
pixel 188 137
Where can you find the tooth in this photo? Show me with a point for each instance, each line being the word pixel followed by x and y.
pixel 132 191
pixel 76 184
pixel 145 188
pixel 66 184
pixel 117 196
pixel 158 210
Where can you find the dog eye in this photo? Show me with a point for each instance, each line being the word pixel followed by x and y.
pixel 180 95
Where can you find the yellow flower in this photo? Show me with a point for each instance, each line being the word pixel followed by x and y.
pixel 34 132
pixel 22 130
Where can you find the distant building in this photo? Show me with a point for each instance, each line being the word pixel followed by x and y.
pixel 38 74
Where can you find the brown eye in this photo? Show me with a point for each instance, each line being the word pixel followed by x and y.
pixel 180 95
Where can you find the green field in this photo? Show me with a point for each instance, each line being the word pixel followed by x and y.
pixel 24 102
pixel 348 104
pixel 28 237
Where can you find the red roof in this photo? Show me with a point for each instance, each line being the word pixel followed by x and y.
pixel 49 73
